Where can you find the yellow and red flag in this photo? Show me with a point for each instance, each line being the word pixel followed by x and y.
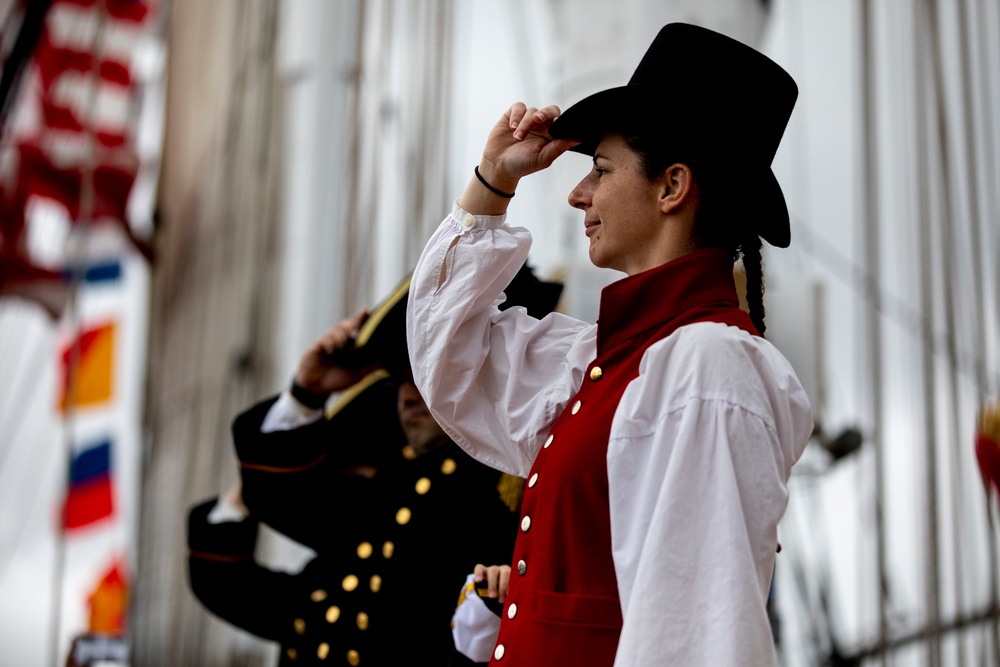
pixel 109 601
pixel 88 366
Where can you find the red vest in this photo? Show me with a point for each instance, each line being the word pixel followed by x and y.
pixel 562 607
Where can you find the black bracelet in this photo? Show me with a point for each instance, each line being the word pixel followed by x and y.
pixel 499 193
pixel 307 397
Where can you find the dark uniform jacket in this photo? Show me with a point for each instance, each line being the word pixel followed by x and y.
pixel 392 550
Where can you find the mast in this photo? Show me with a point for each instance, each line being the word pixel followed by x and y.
pixel 871 254
pixel 79 264
pixel 926 85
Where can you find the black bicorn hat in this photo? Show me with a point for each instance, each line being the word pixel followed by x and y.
pixel 382 338
pixel 701 94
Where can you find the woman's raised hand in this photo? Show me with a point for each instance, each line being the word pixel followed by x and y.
pixel 519 144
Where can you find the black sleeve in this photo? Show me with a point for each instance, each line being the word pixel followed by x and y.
pixel 228 582
pixel 296 481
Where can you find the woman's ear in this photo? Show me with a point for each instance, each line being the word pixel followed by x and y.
pixel 679 190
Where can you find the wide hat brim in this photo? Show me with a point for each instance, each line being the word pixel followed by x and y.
pixel 727 106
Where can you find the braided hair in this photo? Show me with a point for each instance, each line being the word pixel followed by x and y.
pixel 720 221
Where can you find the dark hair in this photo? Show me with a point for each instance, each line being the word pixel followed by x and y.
pixel 720 221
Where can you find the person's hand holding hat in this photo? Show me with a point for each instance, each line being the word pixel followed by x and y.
pixel 519 144
pixel 325 367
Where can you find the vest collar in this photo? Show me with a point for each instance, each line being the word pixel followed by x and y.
pixel 653 298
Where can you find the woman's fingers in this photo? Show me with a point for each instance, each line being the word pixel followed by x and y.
pixel 531 119
pixel 554 149
pixel 527 121
pixel 515 114
pixel 497 578
pixel 503 582
pixel 492 577
pixel 547 114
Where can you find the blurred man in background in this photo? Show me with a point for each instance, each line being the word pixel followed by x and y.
pixel 396 513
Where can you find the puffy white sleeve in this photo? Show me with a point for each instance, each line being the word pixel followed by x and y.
pixel 494 381
pixel 698 478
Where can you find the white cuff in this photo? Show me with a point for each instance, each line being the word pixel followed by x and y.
pixel 226 511
pixel 474 627
pixel 288 414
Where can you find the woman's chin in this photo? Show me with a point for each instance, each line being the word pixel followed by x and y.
pixel 597 258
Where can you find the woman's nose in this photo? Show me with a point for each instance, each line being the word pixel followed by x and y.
pixel 579 197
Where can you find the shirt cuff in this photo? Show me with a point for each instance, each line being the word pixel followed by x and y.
pixel 224 511
pixel 288 414
pixel 467 222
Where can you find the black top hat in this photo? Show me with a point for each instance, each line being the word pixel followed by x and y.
pixel 704 96
pixel 382 338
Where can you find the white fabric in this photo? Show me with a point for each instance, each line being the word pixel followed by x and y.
pixel 474 627
pixel 701 445
pixel 224 511
pixel 287 414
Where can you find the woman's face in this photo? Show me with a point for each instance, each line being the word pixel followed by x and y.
pixel 622 216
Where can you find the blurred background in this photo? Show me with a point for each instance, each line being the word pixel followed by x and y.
pixel 193 191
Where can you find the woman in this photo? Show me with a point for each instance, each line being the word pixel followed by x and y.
pixel 658 443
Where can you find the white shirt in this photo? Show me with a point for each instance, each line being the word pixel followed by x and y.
pixel 701 446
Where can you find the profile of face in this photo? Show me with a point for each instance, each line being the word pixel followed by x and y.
pixel 622 208
pixel 422 432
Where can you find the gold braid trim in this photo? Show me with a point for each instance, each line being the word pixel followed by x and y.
pixel 375 319
pixel 219 558
pixel 283 470
pixel 353 391
pixel 511 491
